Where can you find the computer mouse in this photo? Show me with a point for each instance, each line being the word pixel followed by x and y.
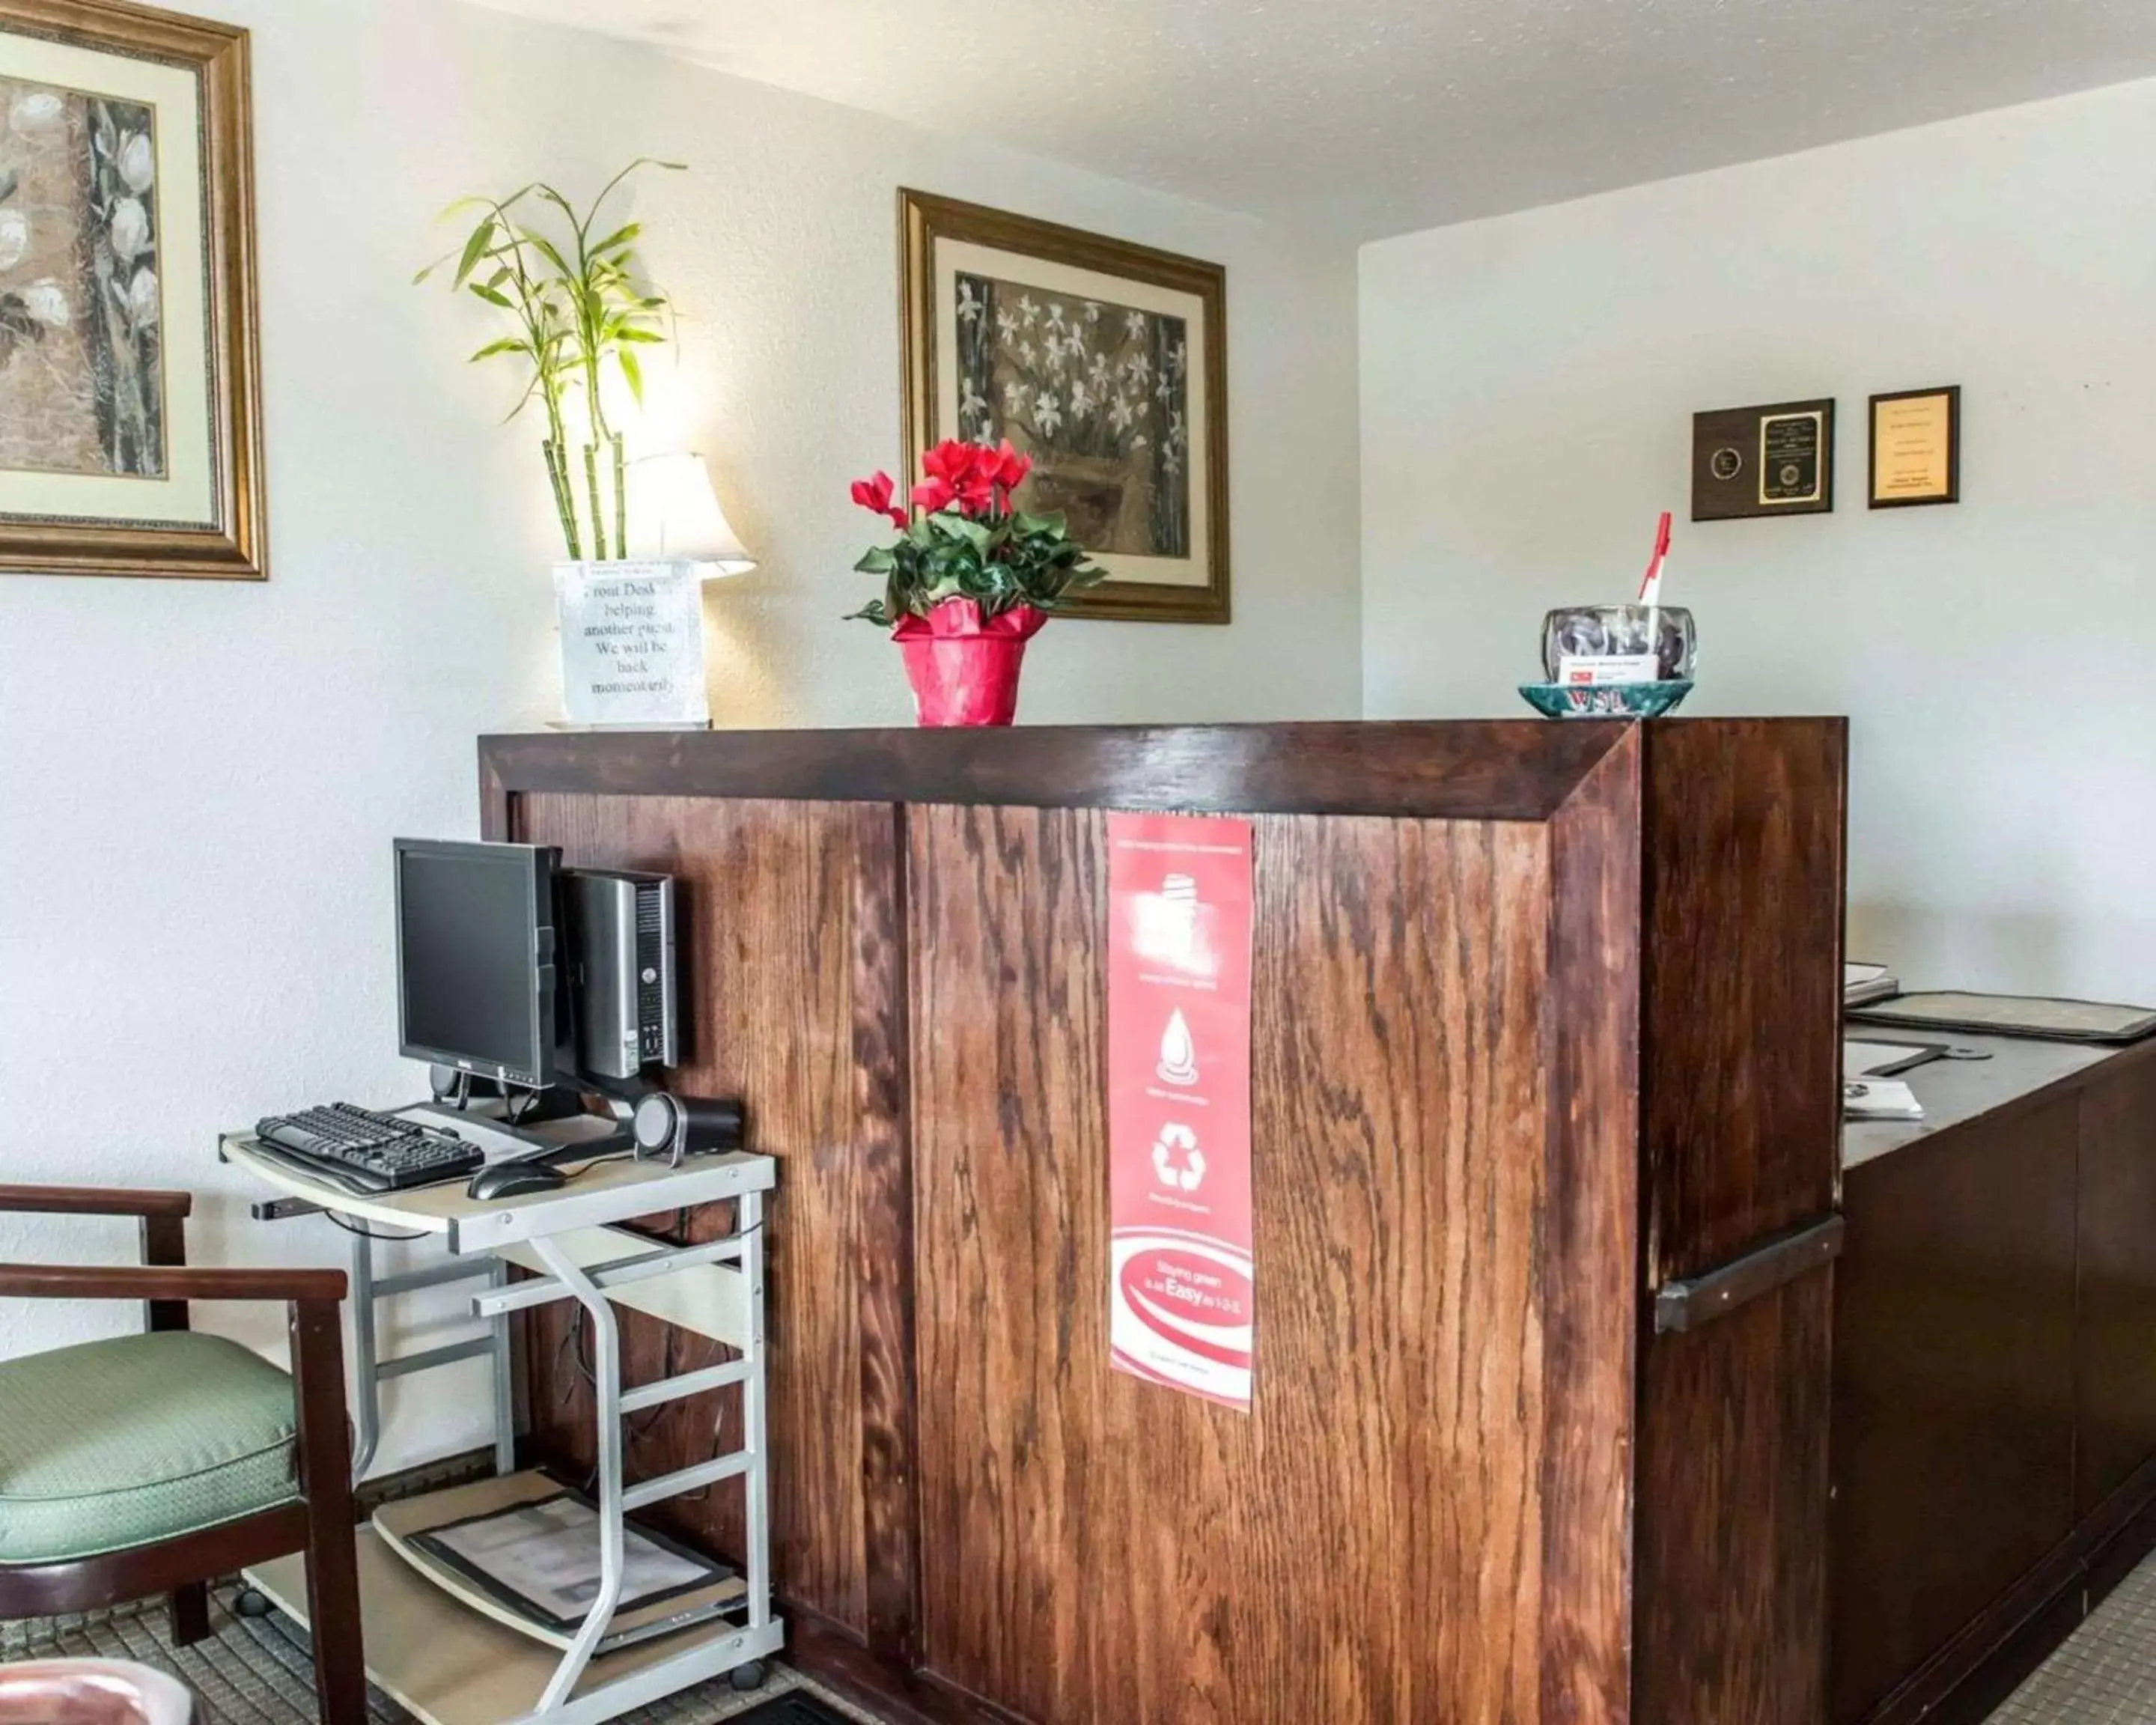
pixel 513 1179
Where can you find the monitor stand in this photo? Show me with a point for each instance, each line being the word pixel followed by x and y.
pixel 482 1127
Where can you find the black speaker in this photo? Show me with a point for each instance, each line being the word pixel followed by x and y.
pixel 674 1126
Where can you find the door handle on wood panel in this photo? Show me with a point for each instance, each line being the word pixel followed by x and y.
pixel 1697 1300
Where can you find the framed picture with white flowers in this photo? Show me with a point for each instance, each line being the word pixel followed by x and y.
pixel 1106 363
pixel 129 398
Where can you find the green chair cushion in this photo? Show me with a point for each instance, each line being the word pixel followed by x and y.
pixel 135 1440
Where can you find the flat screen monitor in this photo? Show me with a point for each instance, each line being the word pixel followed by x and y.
pixel 475 966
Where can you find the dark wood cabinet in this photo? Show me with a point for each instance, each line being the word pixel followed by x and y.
pixel 1994 1399
pixel 2115 1336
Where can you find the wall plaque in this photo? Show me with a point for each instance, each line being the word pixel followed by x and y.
pixel 1915 448
pixel 1767 461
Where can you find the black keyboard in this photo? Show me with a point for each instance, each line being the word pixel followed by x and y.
pixel 365 1151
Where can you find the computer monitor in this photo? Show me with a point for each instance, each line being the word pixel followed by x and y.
pixel 476 982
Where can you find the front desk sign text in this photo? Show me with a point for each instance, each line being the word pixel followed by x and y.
pixel 1181 1295
pixel 633 643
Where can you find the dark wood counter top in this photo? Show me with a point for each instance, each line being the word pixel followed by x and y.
pixel 1506 769
pixel 2022 1072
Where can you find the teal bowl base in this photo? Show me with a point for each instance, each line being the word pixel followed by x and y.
pixel 1604 701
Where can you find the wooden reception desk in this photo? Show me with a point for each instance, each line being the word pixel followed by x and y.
pixel 1545 1056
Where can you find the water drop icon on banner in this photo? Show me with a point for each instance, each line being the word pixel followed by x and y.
pixel 1178 1053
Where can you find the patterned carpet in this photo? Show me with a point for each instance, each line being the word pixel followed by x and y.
pixel 2105 1674
pixel 257 1672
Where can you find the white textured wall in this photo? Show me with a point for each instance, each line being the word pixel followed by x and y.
pixel 199 781
pixel 1528 384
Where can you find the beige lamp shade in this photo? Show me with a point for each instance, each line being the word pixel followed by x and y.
pixel 675 513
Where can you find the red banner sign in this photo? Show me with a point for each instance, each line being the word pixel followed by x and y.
pixel 1181 1300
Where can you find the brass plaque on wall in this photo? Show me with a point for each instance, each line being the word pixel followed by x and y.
pixel 1770 460
pixel 1915 448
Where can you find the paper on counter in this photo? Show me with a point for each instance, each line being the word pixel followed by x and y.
pixel 1880 1099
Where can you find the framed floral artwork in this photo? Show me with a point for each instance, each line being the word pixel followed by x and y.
pixel 131 425
pixel 1107 363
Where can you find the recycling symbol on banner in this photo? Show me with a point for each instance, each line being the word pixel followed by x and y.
pixel 1177 1159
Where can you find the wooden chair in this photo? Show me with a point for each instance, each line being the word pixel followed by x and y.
pixel 150 1464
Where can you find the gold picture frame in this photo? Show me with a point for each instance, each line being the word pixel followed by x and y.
pixel 127 237
pixel 1125 346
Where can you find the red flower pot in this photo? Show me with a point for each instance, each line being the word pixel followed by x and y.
pixel 964 667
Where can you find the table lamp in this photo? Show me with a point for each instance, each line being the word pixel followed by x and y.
pixel 675 516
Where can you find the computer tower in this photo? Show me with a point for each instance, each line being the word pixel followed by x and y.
pixel 627 1004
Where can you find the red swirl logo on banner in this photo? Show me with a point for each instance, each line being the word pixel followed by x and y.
pixel 1180 1294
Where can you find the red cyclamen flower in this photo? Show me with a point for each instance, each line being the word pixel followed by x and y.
pixel 1010 467
pixel 976 477
pixel 874 495
pixel 935 494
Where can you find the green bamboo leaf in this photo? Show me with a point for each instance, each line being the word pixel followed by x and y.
pixel 523 401
pixel 431 268
pixel 508 344
pixel 493 296
pixel 607 191
pixel 546 248
pixel 622 238
pixel 627 334
pixel 633 373
pixel 475 248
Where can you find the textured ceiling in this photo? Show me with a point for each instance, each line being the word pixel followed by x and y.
pixel 1379 117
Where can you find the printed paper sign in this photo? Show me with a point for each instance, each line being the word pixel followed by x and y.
pixel 1181 1297
pixel 1609 667
pixel 632 643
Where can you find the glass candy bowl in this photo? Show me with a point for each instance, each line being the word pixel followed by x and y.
pixel 1621 631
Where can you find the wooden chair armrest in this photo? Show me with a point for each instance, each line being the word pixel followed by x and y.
pixel 130 1281
pixel 94 1201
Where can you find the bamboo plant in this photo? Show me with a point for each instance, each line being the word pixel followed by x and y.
pixel 580 309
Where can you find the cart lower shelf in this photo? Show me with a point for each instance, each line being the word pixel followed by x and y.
pixel 450 1665
pixel 401 1524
